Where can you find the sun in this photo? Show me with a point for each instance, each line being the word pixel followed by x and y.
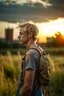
pixel 50 28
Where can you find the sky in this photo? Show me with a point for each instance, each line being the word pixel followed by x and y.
pixel 37 10
pixel 47 29
pixel 25 1
pixel 48 15
pixel 49 2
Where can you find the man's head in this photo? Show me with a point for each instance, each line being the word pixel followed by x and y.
pixel 27 31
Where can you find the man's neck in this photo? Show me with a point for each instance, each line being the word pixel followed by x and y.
pixel 30 43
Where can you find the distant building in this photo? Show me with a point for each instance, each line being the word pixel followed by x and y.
pixel 50 39
pixel 9 34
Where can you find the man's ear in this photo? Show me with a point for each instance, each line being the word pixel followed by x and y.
pixel 30 35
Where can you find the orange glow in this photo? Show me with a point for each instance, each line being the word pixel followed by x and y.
pixel 46 29
pixel 50 28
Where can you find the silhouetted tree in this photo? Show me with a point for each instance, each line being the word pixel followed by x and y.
pixel 57 41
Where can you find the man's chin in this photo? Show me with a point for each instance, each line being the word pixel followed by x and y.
pixel 22 42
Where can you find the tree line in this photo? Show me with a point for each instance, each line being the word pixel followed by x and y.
pixel 57 41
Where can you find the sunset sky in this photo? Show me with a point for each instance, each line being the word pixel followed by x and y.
pixel 48 15
pixel 49 29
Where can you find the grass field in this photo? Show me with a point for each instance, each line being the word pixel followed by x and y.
pixel 54 51
pixel 10 66
pixel 56 86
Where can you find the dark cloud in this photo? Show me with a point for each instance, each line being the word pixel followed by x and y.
pixel 59 4
pixel 36 12
pixel 56 1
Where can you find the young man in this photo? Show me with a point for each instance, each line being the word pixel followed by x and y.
pixel 29 83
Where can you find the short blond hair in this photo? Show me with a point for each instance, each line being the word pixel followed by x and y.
pixel 30 27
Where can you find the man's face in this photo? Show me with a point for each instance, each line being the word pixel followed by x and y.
pixel 23 36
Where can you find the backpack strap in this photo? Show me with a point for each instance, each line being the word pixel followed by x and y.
pixel 38 49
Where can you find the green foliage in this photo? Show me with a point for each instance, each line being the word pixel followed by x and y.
pixel 8 88
pixel 56 86
pixel 9 73
pixel 7 44
pixel 55 51
pixel 13 51
pixel 52 51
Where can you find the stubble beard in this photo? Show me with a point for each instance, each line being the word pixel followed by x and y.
pixel 24 42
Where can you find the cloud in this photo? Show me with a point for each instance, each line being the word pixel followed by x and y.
pixel 21 1
pixel 45 3
pixel 37 13
pixel 59 4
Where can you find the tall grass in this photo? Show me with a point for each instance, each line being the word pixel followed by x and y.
pixel 56 86
pixel 9 72
pixel 10 66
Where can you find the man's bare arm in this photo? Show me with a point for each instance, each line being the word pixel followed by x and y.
pixel 28 82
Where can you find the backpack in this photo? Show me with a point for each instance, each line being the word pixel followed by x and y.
pixel 43 67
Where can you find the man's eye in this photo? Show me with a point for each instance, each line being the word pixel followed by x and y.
pixel 20 33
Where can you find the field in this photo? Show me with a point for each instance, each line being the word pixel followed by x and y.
pixel 56 86
pixel 10 66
